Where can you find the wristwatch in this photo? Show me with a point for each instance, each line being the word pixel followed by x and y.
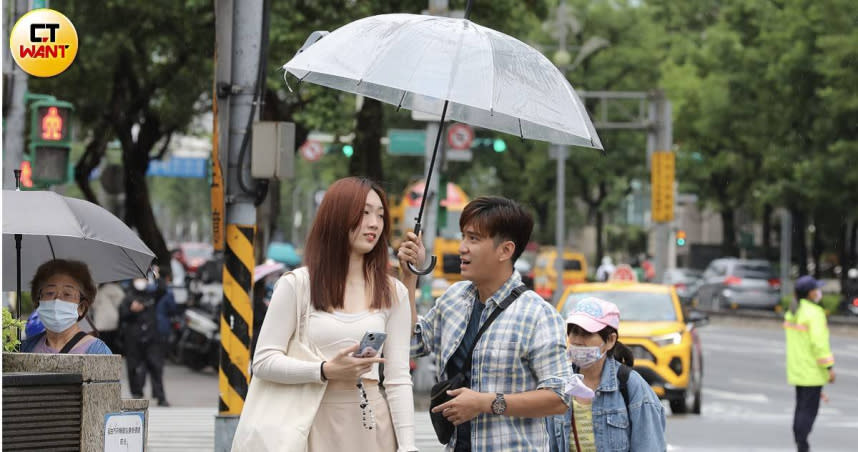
pixel 499 405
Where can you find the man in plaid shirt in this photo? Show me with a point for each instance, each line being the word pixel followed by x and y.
pixel 519 370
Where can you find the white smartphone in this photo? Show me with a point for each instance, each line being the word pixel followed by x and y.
pixel 370 345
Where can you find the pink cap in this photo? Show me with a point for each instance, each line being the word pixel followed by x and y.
pixel 594 314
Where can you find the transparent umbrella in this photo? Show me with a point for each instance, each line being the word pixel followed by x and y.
pixel 452 68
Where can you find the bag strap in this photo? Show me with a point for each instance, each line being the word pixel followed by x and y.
pixel 623 378
pixel 513 295
pixel 574 429
pixel 73 341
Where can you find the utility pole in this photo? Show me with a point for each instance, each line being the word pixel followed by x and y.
pixel 238 44
pixel 786 253
pixel 660 138
pixel 15 121
pixel 560 153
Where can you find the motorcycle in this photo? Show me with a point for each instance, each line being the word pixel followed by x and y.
pixel 198 345
pixel 199 342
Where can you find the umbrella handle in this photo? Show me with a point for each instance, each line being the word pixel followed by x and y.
pixel 427 270
pixel 433 259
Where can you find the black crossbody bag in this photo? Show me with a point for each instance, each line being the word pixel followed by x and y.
pixel 444 428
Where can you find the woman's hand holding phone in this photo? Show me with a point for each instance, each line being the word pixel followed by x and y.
pixel 344 366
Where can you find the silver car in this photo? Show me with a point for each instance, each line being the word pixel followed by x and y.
pixel 739 283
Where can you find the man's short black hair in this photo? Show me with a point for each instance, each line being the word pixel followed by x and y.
pixel 501 219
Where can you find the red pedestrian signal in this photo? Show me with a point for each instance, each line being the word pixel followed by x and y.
pixel 26 174
pixel 52 125
pixel 50 140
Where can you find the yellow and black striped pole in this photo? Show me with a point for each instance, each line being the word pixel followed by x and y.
pixel 236 321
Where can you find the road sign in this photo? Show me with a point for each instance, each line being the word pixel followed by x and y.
pixel 312 150
pixel 188 167
pixel 662 173
pixel 624 272
pixel 460 136
pixel 124 431
pixel 406 142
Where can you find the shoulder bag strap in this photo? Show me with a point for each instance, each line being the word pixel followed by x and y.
pixel 73 341
pixel 574 428
pixel 503 305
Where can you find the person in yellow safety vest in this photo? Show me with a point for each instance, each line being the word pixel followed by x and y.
pixel 809 362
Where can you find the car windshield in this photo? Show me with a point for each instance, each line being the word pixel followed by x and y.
pixel 571 264
pixel 634 306
pixel 754 271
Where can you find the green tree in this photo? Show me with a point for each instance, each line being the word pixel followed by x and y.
pixel 143 72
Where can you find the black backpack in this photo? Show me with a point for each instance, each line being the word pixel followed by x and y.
pixel 623 377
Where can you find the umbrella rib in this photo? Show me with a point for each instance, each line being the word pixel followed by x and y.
pixel 377 56
pixel 135 262
pixel 492 65
pixel 455 70
pixel 51 245
pixel 398 107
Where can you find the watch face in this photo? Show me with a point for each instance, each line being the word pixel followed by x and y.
pixel 499 405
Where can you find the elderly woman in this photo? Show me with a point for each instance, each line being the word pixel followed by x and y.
pixel 63 291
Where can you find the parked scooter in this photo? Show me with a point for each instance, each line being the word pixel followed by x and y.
pixel 198 345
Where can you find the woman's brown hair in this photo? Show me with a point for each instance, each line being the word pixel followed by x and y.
pixel 73 269
pixel 326 253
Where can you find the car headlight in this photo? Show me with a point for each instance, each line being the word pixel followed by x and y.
pixel 667 339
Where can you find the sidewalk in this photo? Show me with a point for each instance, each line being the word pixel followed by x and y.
pixel 192 429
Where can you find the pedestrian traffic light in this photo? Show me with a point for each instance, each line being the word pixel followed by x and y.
pixel 26 174
pixel 499 145
pixel 50 141
pixel 680 238
pixel 348 150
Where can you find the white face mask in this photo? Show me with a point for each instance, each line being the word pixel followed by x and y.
pixel 817 297
pixel 58 315
pixel 583 356
pixel 140 284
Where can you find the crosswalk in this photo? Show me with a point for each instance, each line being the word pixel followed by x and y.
pixel 181 429
pixel 192 430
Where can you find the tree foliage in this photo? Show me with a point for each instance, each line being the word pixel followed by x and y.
pixel 142 73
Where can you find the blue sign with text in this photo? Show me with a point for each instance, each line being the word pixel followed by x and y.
pixel 179 167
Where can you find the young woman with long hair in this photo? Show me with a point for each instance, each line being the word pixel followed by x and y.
pixel 351 293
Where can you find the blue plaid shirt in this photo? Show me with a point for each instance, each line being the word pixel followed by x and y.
pixel 523 350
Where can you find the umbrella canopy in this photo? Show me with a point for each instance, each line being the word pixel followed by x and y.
pixel 490 79
pixel 284 253
pixel 56 227
pixel 452 68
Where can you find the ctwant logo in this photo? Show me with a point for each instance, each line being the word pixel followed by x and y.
pixel 43 42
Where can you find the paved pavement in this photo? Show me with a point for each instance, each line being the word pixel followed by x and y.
pixel 747 403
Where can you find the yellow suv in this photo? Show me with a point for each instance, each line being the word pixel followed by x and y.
pixel 545 271
pixel 664 341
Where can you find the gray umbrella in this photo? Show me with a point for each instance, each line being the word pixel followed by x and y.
pixel 51 226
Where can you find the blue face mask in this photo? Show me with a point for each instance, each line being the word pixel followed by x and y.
pixel 58 315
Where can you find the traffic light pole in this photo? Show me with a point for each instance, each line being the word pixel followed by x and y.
pixel 13 129
pixel 239 43
pixel 660 138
